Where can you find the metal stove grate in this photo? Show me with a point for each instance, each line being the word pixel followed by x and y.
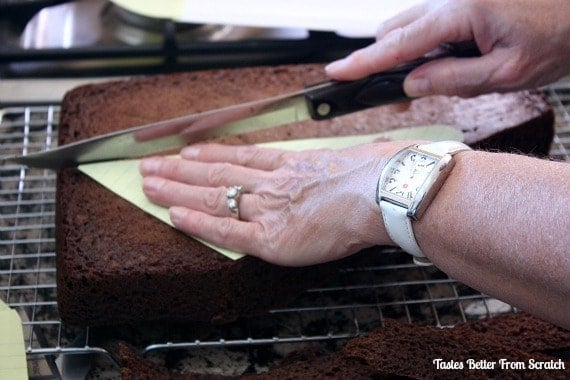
pixel 356 301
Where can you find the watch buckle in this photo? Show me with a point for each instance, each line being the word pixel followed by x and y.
pixel 422 261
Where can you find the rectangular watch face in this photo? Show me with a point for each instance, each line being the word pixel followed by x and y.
pixel 413 178
pixel 406 175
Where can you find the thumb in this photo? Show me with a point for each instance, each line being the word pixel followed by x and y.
pixel 463 77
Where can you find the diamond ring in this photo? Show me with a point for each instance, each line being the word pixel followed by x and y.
pixel 233 193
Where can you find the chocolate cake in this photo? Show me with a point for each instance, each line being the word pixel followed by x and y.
pixel 402 350
pixel 409 351
pixel 116 264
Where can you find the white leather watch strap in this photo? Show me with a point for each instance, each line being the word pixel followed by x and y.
pixel 444 147
pixel 399 227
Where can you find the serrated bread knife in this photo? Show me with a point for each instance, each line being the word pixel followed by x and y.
pixel 318 102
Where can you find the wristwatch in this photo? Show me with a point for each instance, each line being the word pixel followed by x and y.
pixel 407 185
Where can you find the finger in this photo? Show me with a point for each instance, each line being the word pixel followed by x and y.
pixel 201 173
pixel 339 69
pixel 231 233
pixel 213 201
pixel 464 77
pixel 404 44
pixel 244 155
pixel 401 19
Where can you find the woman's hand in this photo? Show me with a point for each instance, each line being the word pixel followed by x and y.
pixel 296 208
pixel 524 43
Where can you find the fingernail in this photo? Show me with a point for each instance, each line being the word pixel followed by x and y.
pixel 150 165
pixel 190 152
pixel 417 87
pixel 177 215
pixel 151 185
pixel 335 66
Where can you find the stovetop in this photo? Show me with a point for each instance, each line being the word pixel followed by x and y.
pixel 96 37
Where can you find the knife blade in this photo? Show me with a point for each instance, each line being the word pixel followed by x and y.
pixel 318 102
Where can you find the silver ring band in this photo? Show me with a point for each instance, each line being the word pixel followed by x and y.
pixel 233 193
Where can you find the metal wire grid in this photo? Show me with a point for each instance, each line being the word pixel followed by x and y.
pixel 356 301
pixel 559 97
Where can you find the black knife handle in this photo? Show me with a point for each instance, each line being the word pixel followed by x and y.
pixel 336 98
pixel 339 98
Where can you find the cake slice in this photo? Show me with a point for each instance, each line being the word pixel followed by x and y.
pixel 472 350
pixel 496 345
pixel 520 330
pixel 116 264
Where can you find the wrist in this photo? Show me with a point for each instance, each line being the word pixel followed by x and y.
pixel 409 182
pixel 431 231
pixel 375 230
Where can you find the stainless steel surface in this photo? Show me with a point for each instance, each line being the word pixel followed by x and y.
pixel 174 133
pixel 98 38
pixel 355 301
pixel 94 22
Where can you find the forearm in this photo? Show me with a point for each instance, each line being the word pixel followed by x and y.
pixel 500 225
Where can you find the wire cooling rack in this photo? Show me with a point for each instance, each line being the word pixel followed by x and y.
pixel 356 301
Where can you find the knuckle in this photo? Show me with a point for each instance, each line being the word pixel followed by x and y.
pixel 403 36
pixel 509 74
pixel 213 200
pixel 259 204
pixel 281 191
pixel 289 162
pixel 367 58
pixel 217 173
pixel 224 230
pixel 303 165
pixel 450 84
pixel 281 158
pixel 285 183
pixel 247 154
pixel 173 168
pixel 394 38
pixel 395 43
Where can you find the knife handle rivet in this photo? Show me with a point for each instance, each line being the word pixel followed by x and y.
pixel 324 109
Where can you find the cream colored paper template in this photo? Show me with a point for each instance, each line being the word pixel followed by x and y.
pixel 123 178
pixel 13 363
